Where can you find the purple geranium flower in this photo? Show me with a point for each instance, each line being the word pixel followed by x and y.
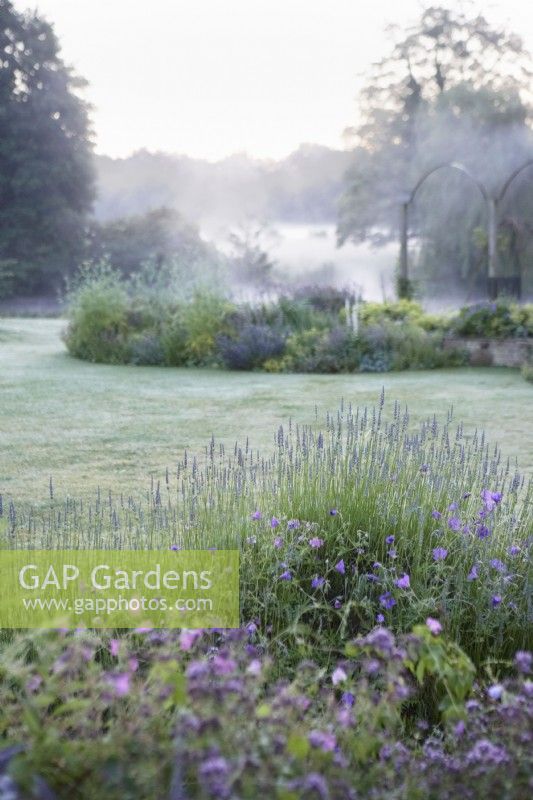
pixel 274 522
pixel 286 576
pixel 257 515
pixel 389 539
pixel 454 523
pixel 436 514
pixel 498 565
pixel 380 619
pixel 278 542
pixel 482 532
pixel 387 600
pixel 496 600
pixel 513 550
pixel 490 499
pixel 333 512
pixel 292 524
pixel 453 507
pixel 439 553
pixel 315 542
pixel 404 582
pixel 472 575
pixel 339 566
pixel 317 582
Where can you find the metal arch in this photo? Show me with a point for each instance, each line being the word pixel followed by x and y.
pixel 511 178
pixel 453 165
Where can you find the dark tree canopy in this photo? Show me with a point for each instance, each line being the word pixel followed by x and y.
pixel 452 88
pixel 46 171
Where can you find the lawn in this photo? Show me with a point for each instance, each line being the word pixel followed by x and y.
pixel 88 425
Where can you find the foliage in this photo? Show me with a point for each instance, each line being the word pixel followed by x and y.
pixel 98 324
pixel 46 188
pixel 500 319
pixel 251 347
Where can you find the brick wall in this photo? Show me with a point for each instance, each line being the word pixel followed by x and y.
pixel 494 352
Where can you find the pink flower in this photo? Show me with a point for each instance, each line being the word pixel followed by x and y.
pixel 188 638
pixel 338 676
pixel 114 647
pixel 434 626
pixel 120 683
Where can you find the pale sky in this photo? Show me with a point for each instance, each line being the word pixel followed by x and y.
pixel 209 78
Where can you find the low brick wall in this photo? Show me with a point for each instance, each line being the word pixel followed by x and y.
pixel 494 352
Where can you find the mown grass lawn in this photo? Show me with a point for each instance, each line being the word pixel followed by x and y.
pixel 88 425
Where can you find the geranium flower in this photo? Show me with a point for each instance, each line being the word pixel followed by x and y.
pixel 439 553
pixel 404 582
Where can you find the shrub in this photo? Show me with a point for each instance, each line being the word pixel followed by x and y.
pixel 204 319
pixel 494 320
pixel 321 351
pixel 98 307
pixel 251 347
pixel 145 349
pixel 174 340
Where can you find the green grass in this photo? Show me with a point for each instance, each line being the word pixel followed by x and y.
pixel 89 425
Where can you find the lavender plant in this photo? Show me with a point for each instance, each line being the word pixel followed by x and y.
pixel 361 522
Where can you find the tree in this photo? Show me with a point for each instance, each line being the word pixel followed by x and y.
pixel 157 236
pixel 46 171
pixel 452 88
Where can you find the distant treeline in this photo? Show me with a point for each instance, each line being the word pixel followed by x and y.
pixel 304 187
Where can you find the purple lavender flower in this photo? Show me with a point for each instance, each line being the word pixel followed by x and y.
pixel 454 523
pixel 317 582
pixel 274 522
pixel 340 567
pixel 316 542
pixel 389 539
pixel 439 553
pixel 257 515
pixel 496 600
pixel 436 514
pixel 286 576
pixel 482 532
pixel 498 565
pixel 434 626
pixel 387 600
pixel 404 582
